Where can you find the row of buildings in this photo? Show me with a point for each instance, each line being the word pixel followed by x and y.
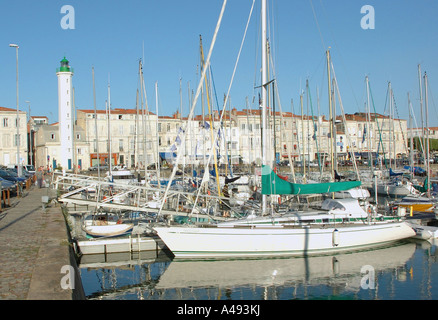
pixel 139 138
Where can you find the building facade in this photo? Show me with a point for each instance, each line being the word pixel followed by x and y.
pixel 139 141
pixel 9 139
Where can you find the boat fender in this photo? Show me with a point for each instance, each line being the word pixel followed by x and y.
pixel 335 238
pixel 401 211
pixel 119 221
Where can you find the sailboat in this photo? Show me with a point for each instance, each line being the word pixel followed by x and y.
pixel 303 237
pixel 341 225
pixel 421 200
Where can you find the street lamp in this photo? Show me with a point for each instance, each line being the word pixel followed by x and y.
pixel 18 118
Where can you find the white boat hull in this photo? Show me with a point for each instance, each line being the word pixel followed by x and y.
pixel 189 242
pixel 424 232
pixel 396 190
pixel 108 230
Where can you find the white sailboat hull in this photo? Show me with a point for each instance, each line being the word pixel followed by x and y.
pixel 188 242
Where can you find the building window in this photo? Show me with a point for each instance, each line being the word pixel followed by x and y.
pixel 5 122
pixel 52 136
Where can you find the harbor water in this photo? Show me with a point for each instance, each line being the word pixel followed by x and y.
pixel 405 270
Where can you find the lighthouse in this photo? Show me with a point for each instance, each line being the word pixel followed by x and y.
pixel 65 114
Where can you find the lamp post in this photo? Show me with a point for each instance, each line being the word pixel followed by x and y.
pixel 18 118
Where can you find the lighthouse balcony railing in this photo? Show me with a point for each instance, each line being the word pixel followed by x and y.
pixel 64 69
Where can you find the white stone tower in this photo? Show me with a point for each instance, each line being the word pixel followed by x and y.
pixel 65 114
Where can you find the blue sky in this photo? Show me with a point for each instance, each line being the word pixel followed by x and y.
pixel 109 35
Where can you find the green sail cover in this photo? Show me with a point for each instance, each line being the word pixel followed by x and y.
pixel 422 188
pixel 273 184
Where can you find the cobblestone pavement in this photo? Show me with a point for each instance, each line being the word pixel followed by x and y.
pixel 27 232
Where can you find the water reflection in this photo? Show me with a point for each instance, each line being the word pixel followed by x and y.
pixel 400 271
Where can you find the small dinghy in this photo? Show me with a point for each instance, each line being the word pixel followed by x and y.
pixel 105 225
pixel 109 230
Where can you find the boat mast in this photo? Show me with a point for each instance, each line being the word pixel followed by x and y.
pixel 264 101
pixel 421 138
pixel 427 134
pixel 95 126
pixel 109 129
pixel 136 134
pixel 204 68
pixel 158 147
pixel 411 149
pixel 370 153
pixel 368 124
pixel 248 134
pixel 330 113
pixel 334 130
pixel 390 123
pixel 303 163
